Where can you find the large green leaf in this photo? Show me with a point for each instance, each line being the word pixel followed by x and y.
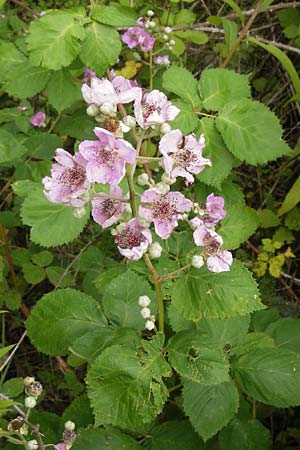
pixel 52 224
pixel 120 300
pixel 182 83
pixel 11 150
pixel 125 386
pixel 286 333
pixel 186 120
pixel 220 86
pixel 201 293
pixel 63 90
pixel 60 317
pixel 174 435
pixel 42 145
pixel 238 225
pixel 210 408
pixel 53 40
pixel 244 435
pixel 216 151
pixel 105 438
pixel 251 131
pixel 270 375
pixel 10 58
pixel 79 411
pixel 292 198
pixel 115 15
pixel 197 358
pixel 26 80
pixel 224 331
pixel 101 47
pixel 77 124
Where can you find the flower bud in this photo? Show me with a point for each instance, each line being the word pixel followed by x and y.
pixel 165 37
pixel 69 425
pixel 142 179
pixel 32 445
pixel 108 109
pixel 34 389
pixel 129 121
pixel 168 30
pixel 28 380
pixel 144 300
pixel 144 223
pixel 150 13
pixel 69 438
pixel 167 180
pixel 149 325
pixel 163 188
pixel 155 250
pixel 79 212
pixel 172 42
pixel 16 424
pixel 165 128
pixel 151 24
pixel 137 56
pixel 30 402
pixel 197 261
pixel 145 313
pixel 92 110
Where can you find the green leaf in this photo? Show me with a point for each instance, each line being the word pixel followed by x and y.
pixel 174 435
pixel 5 350
pixel 125 386
pixel 11 150
pixel 105 438
pixel 210 408
pixel 196 36
pixel 53 40
pixel 12 299
pixel 60 317
pixel 186 120
pixel 245 435
pixel 238 225
pixel 261 319
pixel 120 300
pixel 292 198
pixel 26 81
pixel 220 86
pixel 251 131
pixel 42 259
pixel 252 341
pixel 58 220
pixel 224 331
pixel 233 5
pixel 216 151
pixel 115 15
pixel 10 58
pixel 182 83
pixel 101 47
pixel 13 387
pixel 185 17
pixel 195 357
pixel 33 274
pixel 286 333
pixel 231 34
pixel 55 273
pixel 42 145
pixel 79 411
pixel 268 218
pixel 201 293
pixel 63 90
pixel 77 125
pixel 270 376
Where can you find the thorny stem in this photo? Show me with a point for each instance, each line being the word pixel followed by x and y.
pixel 175 273
pixel 158 291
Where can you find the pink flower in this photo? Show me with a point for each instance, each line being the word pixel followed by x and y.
pixel 136 36
pixel 60 446
pixel 38 119
pixel 68 181
pixel 183 159
pixel 217 260
pixel 153 108
pixel 164 210
pixel 107 211
pixel 215 209
pixel 106 158
pixel 162 60
pixel 134 240
pixel 88 74
pixel 119 90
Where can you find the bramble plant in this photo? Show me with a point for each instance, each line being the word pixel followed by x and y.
pixel 166 327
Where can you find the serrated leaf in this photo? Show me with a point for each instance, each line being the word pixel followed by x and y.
pixel 195 357
pixel 77 125
pixel 201 293
pixel 219 86
pixel 79 411
pixel 292 198
pixel 181 82
pixel 11 150
pixel 63 90
pixel 224 331
pixel 101 47
pixel 115 15
pixel 13 387
pixel 52 224
pixel 55 273
pixel 268 218
pixel 105 438
pixel 125 386
pixel 174 435
pixel 196 36
pixel 186 120
pixel 286 333
pixel 53 40
pixel 42 145
pixel 216 151
pixel 25 81
pixel 252 341
pixel 251 131
pixel 210 408
pixel 42 259
pixel 10 58
pixel 238 225
pixel 244 435
pixel 270 376
pixel 60 317
pixel 32 273
pixel 120 300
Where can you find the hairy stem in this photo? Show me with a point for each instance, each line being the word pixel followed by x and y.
pixel 158 291
pixel 175 273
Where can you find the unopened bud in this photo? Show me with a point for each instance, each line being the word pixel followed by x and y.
pixel 69 425
pixel 30 402
pixel 79 212
pixel 108 109
pixel 165 128
pixel 142 179
pixel 155 250
pixel 168 30
pixel 150 325
pixel 129 121
pixel 143 222
pixel 28 380
pixel 163 188
pixel 144 301
pixel 165 37
pixel 32 445
pixel 92 110
pixel 145 313
pixel 150 13
pixel 166 179
pixel 172 42
pixel 137 56
pixel 151 24
pixel 197 261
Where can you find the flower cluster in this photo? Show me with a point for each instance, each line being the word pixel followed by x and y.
pixel 33 390
pixel 144 302
pixel 107 159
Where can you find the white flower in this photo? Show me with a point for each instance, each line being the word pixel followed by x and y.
pixel 144 301
pixel 145 313
pixel 69 425
pixel 32 445
pixel 155 250
pixel 30 402
pixel 149 325
pixel 197 261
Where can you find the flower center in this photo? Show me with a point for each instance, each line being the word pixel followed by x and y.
pixel 106 156
pixel 109 207
pixel 164 210
pixel 211 245
pixel 129 239
pixel 149 108
pixel 185 157
pixel 73 177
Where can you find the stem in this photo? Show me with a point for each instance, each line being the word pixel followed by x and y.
pixel 54 123
pixel 129 176
pixel 175 273
pixel 174 388
pixel 148 158
pixel 205 114
pixel 151 70
pixel 159 295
